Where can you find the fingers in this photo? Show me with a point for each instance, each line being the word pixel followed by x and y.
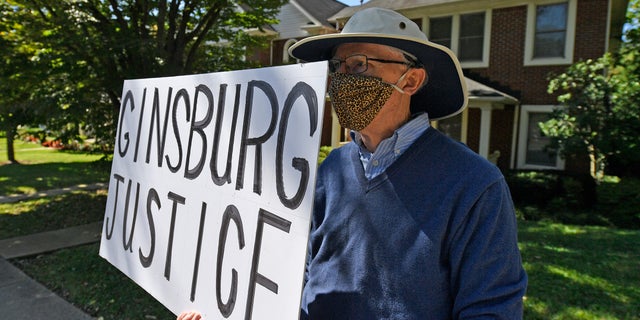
pixel 190 315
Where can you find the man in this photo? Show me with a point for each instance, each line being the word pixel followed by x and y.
pixel 407 223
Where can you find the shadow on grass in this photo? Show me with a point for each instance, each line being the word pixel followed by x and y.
pixel 52 213
pixel 580 272
pixel 82 277
pixel 31 178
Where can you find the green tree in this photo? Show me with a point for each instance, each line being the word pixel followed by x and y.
pixel 95 44
pixel 601 107
pixel 21 64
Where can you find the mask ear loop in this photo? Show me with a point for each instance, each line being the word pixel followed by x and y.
pixel 395 85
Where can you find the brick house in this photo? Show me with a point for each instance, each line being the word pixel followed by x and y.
pixel 507 49
pixel 300 19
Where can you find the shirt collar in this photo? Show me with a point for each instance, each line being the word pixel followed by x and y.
pixel 392 147
pixel 409 131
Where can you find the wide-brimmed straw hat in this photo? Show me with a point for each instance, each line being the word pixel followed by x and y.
pixel 445 93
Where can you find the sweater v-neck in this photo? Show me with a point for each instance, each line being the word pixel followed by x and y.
pixel 368 185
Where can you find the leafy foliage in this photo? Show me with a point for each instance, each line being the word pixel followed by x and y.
pixel 566 198
pixel 601 100
pixel 76 54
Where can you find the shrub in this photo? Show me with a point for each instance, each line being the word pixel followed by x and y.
pixel 324 152
pixel 619 201
pixel 557 196
pixel 532 188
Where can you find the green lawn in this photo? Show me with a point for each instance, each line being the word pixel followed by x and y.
pixel 44 168
pixel 47 214
pixel 575 272
pixel 91 283
pixel 580 272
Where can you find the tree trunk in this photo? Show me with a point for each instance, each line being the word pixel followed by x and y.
pixel 11 132
pixel 597 164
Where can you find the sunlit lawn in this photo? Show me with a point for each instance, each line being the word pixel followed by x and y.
pixel 44 168
pixel 51 213
pixel 579 272
pixel 91 283
pixel 575 272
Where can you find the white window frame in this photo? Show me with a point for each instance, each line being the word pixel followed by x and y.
pixel 524 133
pixel 455 36
pixel 529 60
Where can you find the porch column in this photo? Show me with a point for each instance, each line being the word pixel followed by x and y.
pixel 335 129
pixel 485 130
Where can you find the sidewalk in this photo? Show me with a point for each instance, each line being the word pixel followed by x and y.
pixel 50 193
pixel 24 298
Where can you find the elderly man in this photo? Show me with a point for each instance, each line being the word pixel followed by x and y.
pixel 407 223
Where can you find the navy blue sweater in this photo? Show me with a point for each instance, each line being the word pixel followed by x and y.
pixel 434 237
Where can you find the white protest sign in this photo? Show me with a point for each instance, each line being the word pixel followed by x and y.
pixel 211 189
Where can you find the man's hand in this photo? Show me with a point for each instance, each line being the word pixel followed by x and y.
pixel 189 315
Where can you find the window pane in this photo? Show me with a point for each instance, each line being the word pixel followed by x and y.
pixel 452 127
pixel 471 49
pixel 549 45
pixel 440 31
pixel 551 17
pixel 537 154
pixel 470 46
pixel 472 25
pixel 551 29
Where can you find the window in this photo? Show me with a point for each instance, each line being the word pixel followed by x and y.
pixel 467 35
pixel 470 43
pixel 550 33
pixel 440 31
pixel 454 127
pixel 532 148
pixel 537 154
pixel 451 127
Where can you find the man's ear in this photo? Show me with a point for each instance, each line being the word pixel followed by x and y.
pixel 414 80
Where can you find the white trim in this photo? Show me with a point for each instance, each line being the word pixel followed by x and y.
pixel 523 134
pixel 464 135
pixel 514 137
pixel 335 130
pixel 485 130
pixel 285 50
pixel 530 34
pixel 455 34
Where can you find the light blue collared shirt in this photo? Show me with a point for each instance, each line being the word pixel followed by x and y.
pixel 390 148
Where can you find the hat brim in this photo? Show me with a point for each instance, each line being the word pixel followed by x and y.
pixel 443 96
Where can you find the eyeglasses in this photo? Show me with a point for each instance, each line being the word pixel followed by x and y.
pixel 359 63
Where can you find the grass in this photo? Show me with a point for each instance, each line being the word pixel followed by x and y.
pixel 46 214
pixel 44 168
pixel 88 281
pixel 580 272
pixel 77 274
pixel 575 272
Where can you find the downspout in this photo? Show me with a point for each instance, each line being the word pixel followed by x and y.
pixel 271 52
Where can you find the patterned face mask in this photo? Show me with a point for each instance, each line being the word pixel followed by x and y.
pixel 357 99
